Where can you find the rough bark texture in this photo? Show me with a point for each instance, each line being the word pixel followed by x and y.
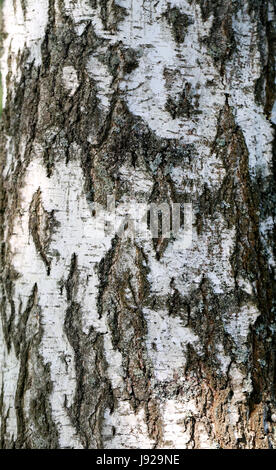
pixel 122 341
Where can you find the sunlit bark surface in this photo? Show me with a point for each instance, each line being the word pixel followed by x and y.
pixel 126 341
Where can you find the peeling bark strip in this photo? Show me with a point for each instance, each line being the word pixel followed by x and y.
pixel 123 341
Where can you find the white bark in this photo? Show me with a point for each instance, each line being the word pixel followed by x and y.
pixel 57 259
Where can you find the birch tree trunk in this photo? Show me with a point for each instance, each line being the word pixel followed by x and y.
pixel 126 341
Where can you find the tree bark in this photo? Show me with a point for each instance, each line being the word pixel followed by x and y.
pixel 127 341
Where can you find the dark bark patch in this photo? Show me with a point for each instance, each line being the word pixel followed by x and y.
pixel 122 298
pixel 34 377
pixel 221 41
pixel 93 393
pixel 185 105
pixel 179 23
pixel 41 226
